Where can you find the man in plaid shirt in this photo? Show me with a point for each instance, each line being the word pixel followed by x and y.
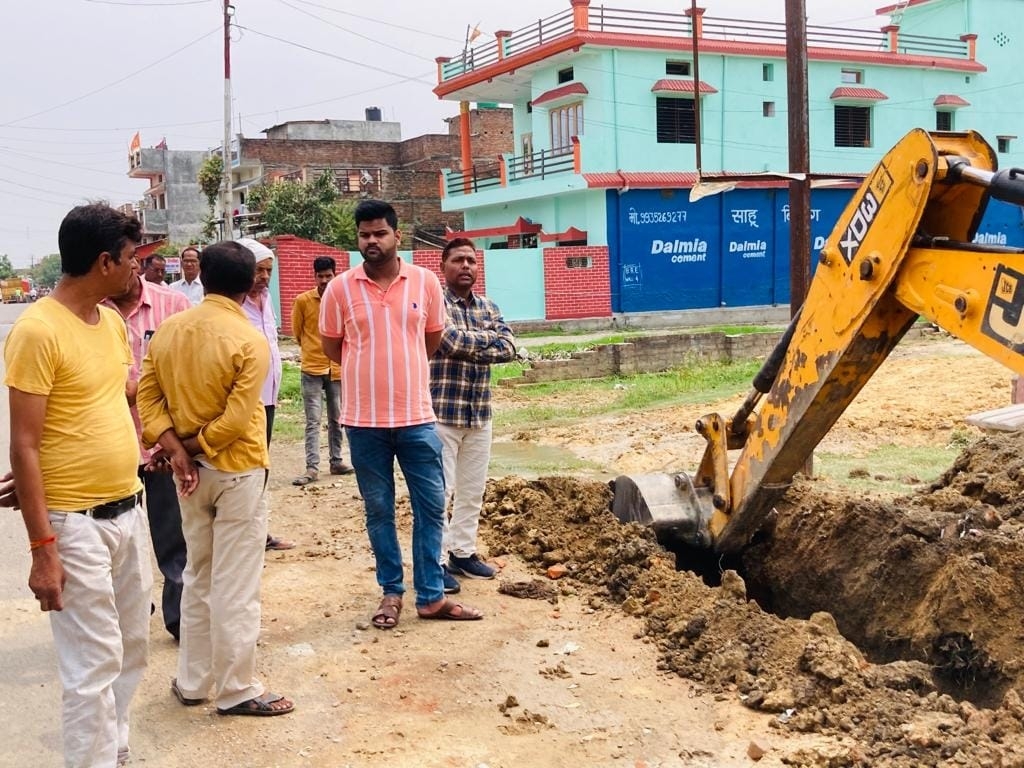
pixel 475 337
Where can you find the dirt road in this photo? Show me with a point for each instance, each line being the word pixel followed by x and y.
pixel 626 663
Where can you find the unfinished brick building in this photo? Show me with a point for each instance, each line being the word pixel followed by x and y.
pixel 369 159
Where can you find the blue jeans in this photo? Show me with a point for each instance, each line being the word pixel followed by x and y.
pixel 418 450
pixel 315 389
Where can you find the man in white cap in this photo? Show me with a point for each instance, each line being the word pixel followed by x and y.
pixel 259 308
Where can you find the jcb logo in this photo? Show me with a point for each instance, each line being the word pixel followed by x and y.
pixel 1004 316
pixel 864 216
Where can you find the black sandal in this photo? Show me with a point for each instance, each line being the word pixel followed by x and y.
pixel 261 706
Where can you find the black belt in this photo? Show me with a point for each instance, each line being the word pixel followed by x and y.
pixel 112 509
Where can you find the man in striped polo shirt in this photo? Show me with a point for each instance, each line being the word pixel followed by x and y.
pixel 381 321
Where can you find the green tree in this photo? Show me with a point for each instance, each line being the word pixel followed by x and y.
pixel 343 225
pixel 6 268
pixel 210 177
pixel 47 271
pixel 311 210
pixel 170 250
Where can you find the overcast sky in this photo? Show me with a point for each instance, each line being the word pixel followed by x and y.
pixel 82 76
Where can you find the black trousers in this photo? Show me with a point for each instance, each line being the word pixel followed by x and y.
pixel 168 541
pixel 271 410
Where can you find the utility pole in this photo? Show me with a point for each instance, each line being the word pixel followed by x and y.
pixel 799 162
pixel 799 154
pixel 228 228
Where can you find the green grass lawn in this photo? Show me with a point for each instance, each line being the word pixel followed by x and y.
pixel 694 382
pixel 290 418
pixel 887 469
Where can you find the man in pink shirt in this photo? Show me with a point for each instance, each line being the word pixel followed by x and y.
pixel 144 306
pixel 381 321
pixel 259 308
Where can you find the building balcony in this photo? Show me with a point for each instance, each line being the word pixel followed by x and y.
pixel 473 74
pixel 154 221
pixel 146 162
pixel 510 171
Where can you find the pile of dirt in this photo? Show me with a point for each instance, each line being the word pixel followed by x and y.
pixel 941 593
pixel 933 576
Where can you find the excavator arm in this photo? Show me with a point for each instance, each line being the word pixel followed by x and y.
pixel 900 250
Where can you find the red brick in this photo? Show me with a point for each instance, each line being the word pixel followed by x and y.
pixel 576 293
pixel 294 257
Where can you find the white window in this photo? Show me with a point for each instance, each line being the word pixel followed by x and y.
pixel 566 122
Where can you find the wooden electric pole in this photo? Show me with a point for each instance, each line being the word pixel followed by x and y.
pixel 228 228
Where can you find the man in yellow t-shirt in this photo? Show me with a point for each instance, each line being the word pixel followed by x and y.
pixel 199 398
pixel 75 461
pixel 321 378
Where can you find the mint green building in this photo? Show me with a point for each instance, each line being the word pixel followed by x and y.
pixel 604 115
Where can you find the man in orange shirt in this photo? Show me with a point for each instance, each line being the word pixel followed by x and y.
pixel 320 377
pixel 381 321
pixel 199 398
pixel 144 306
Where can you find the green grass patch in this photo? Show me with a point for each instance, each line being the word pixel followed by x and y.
pixel 290 417
pixel 694 382
pixel 501 371
pixel 888 469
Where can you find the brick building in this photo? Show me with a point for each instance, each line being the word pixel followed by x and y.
pixel 369 159
pixel 295 255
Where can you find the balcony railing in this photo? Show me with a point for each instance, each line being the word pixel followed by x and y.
pixel 476 179
pixel 536 166
pixel 633 22
pixel 540 165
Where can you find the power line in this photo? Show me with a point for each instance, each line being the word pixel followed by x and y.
pixel 327 54
pixel 162 126
pixel 389 24
pixel 41 159
pixel 373 40
pixel 35 175
pixel 142 4
pixel 109 85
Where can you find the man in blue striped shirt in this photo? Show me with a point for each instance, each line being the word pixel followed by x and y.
pixel 475 337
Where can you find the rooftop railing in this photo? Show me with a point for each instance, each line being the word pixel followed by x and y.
pixel 603 19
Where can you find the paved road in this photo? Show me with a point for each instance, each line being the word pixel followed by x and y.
pixel 28 666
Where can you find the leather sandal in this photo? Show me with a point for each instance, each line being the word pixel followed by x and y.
pixel 388 611
pixel 261 706
pixel 310 476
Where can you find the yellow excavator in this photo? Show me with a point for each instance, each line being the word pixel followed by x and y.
pixel 901 249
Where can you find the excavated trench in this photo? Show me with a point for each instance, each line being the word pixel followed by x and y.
pixel 848 616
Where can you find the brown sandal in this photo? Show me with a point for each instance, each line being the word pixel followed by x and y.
pixel 388 611
pixel 452 611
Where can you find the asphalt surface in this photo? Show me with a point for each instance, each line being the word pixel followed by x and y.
pixel 28 664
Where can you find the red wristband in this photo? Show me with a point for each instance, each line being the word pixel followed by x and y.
pixel 39 543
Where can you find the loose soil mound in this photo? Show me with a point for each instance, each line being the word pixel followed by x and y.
pixel 945 595
pixel 933 576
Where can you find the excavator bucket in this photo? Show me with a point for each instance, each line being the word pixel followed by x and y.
pixel 669 504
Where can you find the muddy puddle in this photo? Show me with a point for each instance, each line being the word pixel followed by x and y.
pixel 895 627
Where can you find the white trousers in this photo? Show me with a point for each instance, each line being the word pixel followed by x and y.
pixel 225 528
pixel 102 635
pixel 466 453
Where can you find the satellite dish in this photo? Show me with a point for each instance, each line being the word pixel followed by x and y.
pixel 366 178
